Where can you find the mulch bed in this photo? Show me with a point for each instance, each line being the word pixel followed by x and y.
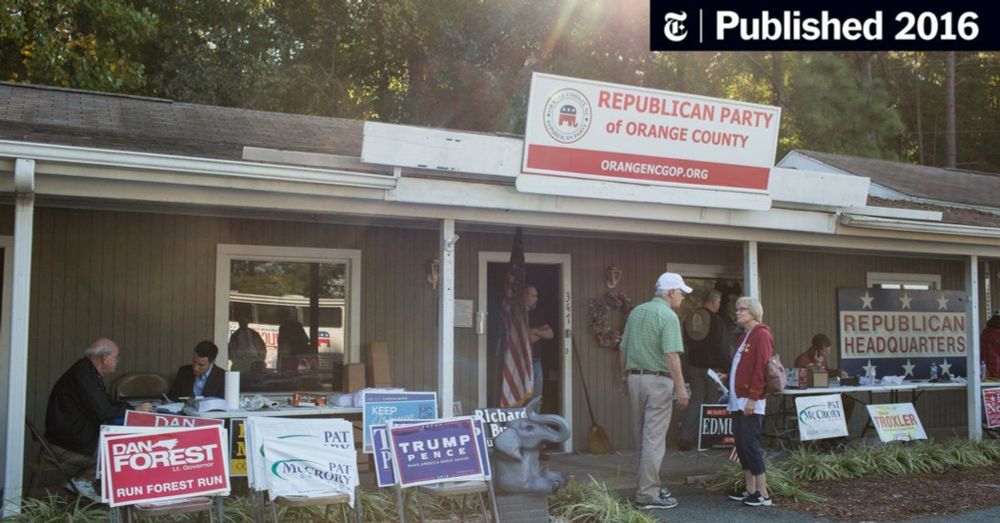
pixel 901 498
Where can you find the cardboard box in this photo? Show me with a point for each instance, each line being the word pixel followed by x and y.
pixel 378 364
pixel 363 463
pixel 819 378
pixel 797 378
pixel 354 377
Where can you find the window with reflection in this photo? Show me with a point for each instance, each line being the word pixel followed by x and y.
pixel 287 324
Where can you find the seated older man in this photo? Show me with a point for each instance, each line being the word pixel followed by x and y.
pixel 78 406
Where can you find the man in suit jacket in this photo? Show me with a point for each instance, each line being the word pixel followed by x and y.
pixel 202 377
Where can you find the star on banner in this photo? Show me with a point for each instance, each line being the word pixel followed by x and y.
pixel 942 303
pixel 869 369
pixel 906 299
pixel 908 368
pixel 866 301
pixel 946 367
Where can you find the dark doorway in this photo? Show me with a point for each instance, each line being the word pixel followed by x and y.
pixel 547 279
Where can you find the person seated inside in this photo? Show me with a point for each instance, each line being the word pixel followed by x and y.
pixel 202 377
pixel 816 356
pixel 78 406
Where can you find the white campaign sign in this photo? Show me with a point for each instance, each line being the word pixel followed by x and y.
pixel 820 417
pixel 297 468
pixel 896 422
pixel 335 435
pixel 587 129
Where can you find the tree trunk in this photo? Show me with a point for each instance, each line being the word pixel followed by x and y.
pixel 950 158
pixel 864 62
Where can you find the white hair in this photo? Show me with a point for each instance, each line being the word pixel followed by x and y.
pixel 99 348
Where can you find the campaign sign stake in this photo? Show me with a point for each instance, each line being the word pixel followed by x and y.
pixel 171 465
pixel 435 452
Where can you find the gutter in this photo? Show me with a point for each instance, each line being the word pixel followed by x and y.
pixel 888 224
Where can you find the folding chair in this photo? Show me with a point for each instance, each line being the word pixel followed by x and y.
pixel 142 385
pixel 170 508
pixel 341 500
pixel 46 461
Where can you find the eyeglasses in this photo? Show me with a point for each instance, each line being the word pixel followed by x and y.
pixel 738 309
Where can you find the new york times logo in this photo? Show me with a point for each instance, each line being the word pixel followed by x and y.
pixel 783 25
pixel 673 26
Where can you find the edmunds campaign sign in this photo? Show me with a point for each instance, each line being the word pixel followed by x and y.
pixel 169 465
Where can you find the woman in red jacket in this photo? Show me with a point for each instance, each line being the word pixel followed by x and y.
pixel 748 400
pixel 989 343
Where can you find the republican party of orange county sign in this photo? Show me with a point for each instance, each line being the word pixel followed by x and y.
pixel 594 130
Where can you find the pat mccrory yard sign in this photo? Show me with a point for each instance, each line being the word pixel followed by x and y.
pixel 600 131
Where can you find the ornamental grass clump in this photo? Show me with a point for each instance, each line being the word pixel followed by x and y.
pixel 591 502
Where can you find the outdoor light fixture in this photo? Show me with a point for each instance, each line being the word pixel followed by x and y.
pixel 433 272
pixel 612 275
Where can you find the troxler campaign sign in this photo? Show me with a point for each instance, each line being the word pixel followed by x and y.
pixel 820 417
pixel 991 403
pixel 600 131
pixel 716 428
pixel 495 420
pixel 896 422
pixel 382 452
pixel 154 467
pixel 335 435
pixel 435 451
pixel 134 418
pixel 382 407
pixel 296 468
pixel 902 332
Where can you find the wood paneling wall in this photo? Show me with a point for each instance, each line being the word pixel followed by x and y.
pixel 799 295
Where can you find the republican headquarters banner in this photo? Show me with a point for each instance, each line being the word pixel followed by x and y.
pixel 382 407
pixel 821 417
pixel 896 422
pixel 902 332
pixel 435 452
pixel 174 464
pixel 594 130
pixel 382 452
pixel 991 403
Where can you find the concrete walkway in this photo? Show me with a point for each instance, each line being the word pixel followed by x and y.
pixel 697 503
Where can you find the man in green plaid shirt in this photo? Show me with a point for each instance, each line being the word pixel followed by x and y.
pixel 651 376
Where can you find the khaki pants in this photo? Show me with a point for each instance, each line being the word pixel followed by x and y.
pixel 651 403
pixel 85 467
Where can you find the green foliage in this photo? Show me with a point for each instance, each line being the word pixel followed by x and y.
pixel 57 509
pixel 85 44
pixel 789 478
pixel 591 502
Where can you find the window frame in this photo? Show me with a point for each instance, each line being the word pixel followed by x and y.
pixel 903 278
pixel 351 258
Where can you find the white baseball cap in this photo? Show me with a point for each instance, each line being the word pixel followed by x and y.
pixel 671 280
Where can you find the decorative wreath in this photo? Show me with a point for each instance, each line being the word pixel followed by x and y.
pixel 602 310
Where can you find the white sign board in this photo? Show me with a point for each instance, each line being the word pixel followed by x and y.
pixel 595 130
pixel 820 417
pixel 896 422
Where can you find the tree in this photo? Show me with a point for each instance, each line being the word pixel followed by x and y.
pixel 84 44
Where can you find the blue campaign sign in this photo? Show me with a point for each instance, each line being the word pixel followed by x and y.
pixel 436 451
pixel 383 407
pixel 902 332
pixel 383 454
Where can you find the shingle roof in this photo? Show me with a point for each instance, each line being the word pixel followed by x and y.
pixel 107 121
pixel 921 181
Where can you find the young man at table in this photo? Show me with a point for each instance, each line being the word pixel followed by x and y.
pixel 201 377
pixel 78 406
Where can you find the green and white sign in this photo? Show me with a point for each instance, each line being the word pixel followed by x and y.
pixel 821 417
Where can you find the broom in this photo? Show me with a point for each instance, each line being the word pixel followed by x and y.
pixel 597 438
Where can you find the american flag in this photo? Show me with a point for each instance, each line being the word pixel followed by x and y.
pixel 518 381
pixel 734 456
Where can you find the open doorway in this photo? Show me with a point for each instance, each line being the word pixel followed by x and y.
pixel 550 275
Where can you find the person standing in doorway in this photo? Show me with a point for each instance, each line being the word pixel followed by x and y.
pixel 650 361
pixel 537 332
pixel 707 346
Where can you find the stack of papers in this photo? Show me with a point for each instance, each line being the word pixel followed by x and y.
pixel 207 404
pixel 170 408
pixel 340 399
pixel 359 396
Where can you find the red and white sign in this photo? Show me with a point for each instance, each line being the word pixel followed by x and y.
pixel 134 418
pixel 586 129
pixel 991 402
pixel 154 467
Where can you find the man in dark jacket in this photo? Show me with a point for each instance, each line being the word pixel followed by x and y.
pixel 78 406
pixel 202 377
pixel 707 345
